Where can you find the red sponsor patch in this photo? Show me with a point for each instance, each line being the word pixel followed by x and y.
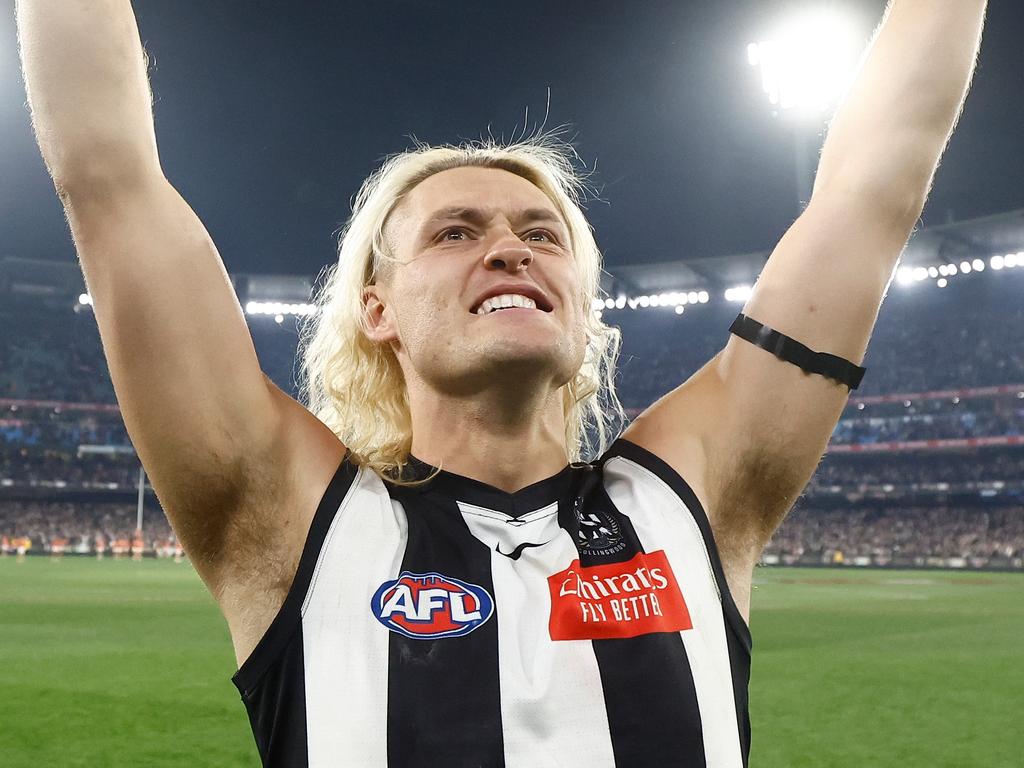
pixel 627 599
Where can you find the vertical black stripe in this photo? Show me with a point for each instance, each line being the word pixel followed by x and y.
pixel 277 712
pixel 739 661
pixel 652 706
pixel 444 707
pixel 649 693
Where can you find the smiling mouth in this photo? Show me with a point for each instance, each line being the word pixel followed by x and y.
pixel 508 301
pixel 512 311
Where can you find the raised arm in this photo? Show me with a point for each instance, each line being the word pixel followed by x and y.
pixel 886 139
pixel 212 431
pixel 749 428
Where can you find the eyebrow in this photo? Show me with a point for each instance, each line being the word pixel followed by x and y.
pixel 481 216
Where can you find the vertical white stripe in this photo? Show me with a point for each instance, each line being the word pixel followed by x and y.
pixel 346 651
pixel 552 702
pixel 662 521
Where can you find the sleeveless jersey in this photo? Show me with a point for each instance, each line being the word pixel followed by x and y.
pixel 581 622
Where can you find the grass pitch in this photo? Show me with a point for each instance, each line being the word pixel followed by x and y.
pixel 128 664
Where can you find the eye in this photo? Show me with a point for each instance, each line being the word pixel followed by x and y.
pixel 542 233
pixel 453 230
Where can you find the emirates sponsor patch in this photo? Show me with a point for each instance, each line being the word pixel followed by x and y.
pixel 627 599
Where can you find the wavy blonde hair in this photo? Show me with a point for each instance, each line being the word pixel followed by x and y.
pixel 356 387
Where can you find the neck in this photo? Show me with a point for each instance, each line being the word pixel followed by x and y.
pixel 506 439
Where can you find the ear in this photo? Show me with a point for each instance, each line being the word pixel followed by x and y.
pixel 378 319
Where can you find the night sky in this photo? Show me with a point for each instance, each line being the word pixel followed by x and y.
pixel 270 114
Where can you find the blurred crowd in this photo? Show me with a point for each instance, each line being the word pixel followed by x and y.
pixel 60 431
pixel 53 467
pixel 79 527
pixel 908 535
pixel 945 426
pixel 925 467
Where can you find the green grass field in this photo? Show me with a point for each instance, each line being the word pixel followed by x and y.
pixel 128 664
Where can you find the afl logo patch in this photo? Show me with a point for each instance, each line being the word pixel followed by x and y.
pixel 429 606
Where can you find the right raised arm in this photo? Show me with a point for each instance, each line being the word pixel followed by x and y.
pixel 205 421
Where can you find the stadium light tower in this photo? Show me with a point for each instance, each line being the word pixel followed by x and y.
pixel 806 65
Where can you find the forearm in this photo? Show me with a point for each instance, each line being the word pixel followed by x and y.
pixel 85 76
pixel 887 137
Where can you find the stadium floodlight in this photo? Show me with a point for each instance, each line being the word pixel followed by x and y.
pixel 738 293
pixel 85 299
pixel 996 262
pixel 620 302
pixel 680 309
pixel 278 308
pixel 978 264
pixel 808 62
pixel 941 282
pixel 965 267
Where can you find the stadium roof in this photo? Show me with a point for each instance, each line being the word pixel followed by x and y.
pixel 986 236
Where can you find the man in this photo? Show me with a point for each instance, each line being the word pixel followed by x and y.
pixel 419 572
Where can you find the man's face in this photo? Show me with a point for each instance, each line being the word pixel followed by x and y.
pixel 462 238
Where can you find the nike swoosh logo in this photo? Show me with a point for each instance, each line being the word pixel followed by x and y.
pixel 517 552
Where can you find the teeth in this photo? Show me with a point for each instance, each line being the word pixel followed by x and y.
pixel 506 300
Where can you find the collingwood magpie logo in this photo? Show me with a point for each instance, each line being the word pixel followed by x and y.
pixel 598 533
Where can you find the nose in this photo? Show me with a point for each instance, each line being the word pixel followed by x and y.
pixel 511 255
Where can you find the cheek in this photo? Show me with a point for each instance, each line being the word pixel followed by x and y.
pixel 580 335
pixel 423 310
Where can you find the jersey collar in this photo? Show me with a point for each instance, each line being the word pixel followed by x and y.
pixel 556 488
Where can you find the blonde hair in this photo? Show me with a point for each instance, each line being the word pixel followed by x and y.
pixel 356 387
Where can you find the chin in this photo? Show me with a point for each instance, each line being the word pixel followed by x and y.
pixel 527 360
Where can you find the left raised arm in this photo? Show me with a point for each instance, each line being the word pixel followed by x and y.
pixel 748 428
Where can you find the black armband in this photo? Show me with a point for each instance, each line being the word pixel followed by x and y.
pixel 792 351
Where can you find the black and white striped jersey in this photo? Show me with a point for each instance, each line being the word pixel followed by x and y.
pixel 581 622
